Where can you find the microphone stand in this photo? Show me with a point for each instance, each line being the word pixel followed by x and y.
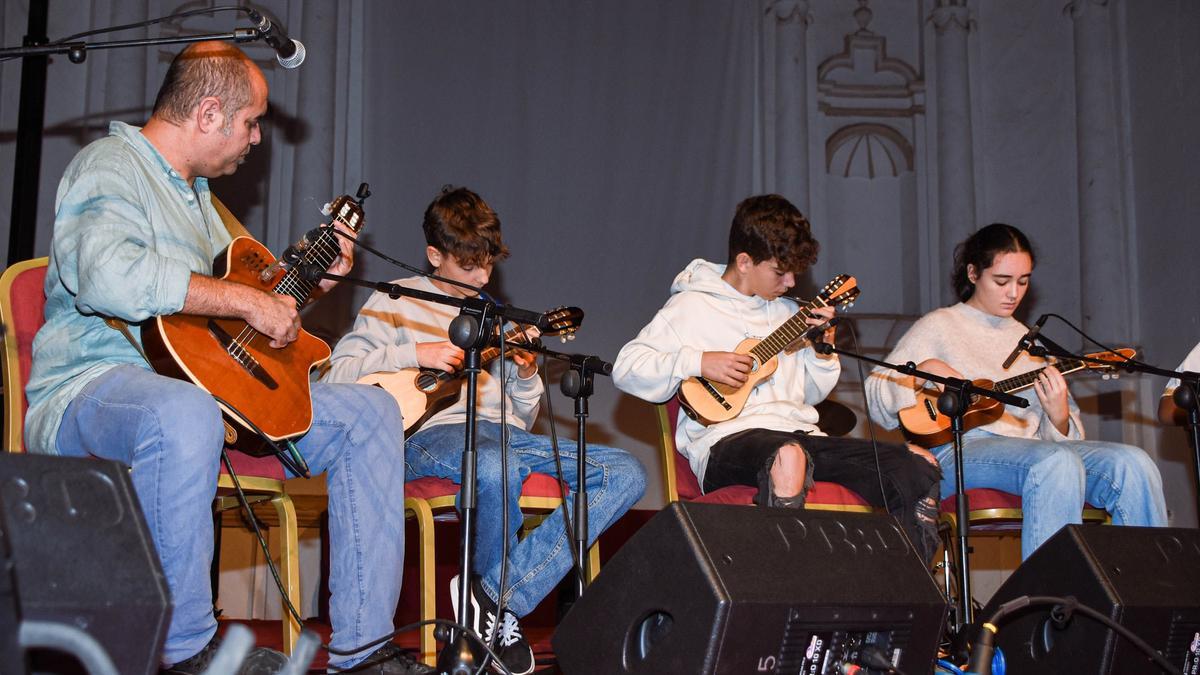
pixel 577 383
pixel 1186 396
pixel 954 401
pixel 30 119
pixel 471 331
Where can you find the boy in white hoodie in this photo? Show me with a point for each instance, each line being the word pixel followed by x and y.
pixel 774 443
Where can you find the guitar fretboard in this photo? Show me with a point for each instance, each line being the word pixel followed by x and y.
pixel 322 253
pixel 787 333
pixel 1027 379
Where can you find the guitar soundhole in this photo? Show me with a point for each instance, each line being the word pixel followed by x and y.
pixel 427 382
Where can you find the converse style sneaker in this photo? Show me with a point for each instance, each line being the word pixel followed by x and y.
pixel 510 644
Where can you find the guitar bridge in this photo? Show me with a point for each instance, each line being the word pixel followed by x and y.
pixel 239 354
pixel 708 386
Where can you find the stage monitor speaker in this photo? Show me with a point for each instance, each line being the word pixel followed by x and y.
pixel 1147 579
pixel 704 589
pixel 76 542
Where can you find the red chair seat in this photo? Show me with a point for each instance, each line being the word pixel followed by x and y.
pixel 983 498
pixel 536 485
pixel 258 467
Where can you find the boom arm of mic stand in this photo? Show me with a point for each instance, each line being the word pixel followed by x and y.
pixel 514 314
pixel 593 364
pixel 76 51
pixel 951 383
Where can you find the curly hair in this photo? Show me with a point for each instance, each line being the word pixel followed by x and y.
pixel 460 223
pixel 769 227
pixel 980 251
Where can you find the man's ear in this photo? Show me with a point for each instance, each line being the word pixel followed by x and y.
pixel 435 256
pixel 743 262
pixel 208 114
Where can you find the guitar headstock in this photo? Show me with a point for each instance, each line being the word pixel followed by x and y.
pixel 1112 361
pixel 841 290
pixel 561 321
pixel 347 211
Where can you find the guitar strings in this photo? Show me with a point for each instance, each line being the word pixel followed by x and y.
pixel 323 251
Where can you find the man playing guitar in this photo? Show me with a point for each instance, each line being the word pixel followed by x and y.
pixel 135 234
pixel 774 443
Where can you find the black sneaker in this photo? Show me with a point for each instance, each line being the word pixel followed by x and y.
pixel 389 660
pixel 259 661
pixel 511 646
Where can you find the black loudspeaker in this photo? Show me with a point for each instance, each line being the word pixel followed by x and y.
pixel 1146 579
pixel 705 588
pixel 77 545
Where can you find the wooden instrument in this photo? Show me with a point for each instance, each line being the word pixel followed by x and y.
pixel 709 402
pixel 234 362
pixel 421 392
pixel 925 426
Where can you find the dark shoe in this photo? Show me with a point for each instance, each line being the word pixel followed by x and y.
pixel 259 661
pixel 510 645
pixel 390 660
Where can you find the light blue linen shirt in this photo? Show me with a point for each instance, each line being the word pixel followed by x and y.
pixel 128 233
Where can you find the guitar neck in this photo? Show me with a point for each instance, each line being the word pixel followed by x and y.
pixel 787 333
pixel 1025 380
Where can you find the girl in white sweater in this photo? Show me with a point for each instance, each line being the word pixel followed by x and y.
pixel 1037 452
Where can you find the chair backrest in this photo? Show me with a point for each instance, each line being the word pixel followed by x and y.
pixel 679 480
pixel 22 301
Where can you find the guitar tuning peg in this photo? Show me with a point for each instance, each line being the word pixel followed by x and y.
pixel 326 209
pixel 1106 376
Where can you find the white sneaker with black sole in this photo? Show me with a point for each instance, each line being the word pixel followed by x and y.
pixel 510 645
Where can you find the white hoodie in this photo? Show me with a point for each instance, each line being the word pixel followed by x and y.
pixel 706 314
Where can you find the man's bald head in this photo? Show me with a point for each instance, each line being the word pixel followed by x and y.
pixel 201 70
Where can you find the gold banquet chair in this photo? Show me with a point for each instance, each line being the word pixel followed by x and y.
pixel 22 303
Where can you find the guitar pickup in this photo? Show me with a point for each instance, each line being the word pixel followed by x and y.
pixel 239 353
pixel 931 410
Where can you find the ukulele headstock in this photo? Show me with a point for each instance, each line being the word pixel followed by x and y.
pixel 561 321
pixel 842 290
pixel 346 210
pixel 1110 369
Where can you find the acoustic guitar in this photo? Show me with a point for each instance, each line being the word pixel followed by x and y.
pixel 925 426
pixel 709 402
pixel 422 392
pixel 232 361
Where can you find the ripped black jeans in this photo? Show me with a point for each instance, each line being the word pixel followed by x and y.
pixel 911 485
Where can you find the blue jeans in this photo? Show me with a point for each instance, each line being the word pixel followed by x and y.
pixel 1054 480
pixel 170 433
pixel 615 481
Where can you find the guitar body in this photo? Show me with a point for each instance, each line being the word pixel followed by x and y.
pixel 269 386
pixel 419 392
pixel 927 427
pixel 708 402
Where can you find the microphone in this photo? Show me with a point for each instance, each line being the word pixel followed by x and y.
pixel 292 255
pixel 1025 341
pixel 289 52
